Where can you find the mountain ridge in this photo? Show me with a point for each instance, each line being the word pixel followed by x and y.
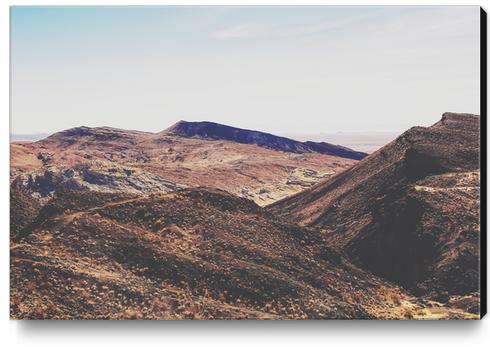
pixel 216 131
pixel 257 172
pixel 397 213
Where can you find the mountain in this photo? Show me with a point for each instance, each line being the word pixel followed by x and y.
pixel 261 174
pixel 209 130
pixel 409 212
pixel 197 253
pixel 113 224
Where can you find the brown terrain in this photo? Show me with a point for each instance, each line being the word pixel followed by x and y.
pixel 84 158
pixel 197 254
pixel 408 212
pixel 115 224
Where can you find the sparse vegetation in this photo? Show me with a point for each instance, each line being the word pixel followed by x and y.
pixel 389 239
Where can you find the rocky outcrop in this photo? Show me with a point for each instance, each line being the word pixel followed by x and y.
pixel 46 183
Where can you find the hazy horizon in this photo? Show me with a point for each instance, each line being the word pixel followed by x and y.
pixel 280 70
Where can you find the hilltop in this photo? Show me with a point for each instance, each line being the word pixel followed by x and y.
pixel 215 131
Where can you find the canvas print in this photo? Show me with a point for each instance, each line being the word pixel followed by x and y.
pixel 267 163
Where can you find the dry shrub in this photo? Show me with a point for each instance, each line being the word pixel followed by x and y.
pixel 396 298
pixel 131 313
pixel 407 314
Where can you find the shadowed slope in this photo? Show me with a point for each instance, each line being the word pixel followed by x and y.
pixel 408 212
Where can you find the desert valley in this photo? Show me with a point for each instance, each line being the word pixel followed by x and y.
pixel 207 221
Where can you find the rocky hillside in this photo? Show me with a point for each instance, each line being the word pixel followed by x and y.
pixel 410 211
pixel 209 130
pixel 44 184
pixel 193 254
pixel 115 224
pixel 260 174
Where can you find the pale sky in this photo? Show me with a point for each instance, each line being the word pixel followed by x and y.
pixel 280 70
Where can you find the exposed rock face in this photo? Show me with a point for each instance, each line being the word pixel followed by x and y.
pixel 95 177
pixel 216 131
pixel 408 212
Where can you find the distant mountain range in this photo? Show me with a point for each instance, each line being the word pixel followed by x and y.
pixel 215 131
